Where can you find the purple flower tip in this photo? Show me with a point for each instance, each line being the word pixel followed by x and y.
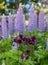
pixel 27 57
pixel 21 36
pixel 27 52
pixel 17 40
pixel 26 39
pixel 32 42
pixel 22 56
pixel 33 38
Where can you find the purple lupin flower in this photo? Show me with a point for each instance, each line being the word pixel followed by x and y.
pixel 32 21
pixel 41 21
pixel 10 24
pixel 0 30
pixel 19 21
pixel 47 23
pixel 4 28
pixel 47 27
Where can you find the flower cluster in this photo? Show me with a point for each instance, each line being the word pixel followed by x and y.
pixel 17 40
pixel 22 38
pixel 26 39
pixel 26 56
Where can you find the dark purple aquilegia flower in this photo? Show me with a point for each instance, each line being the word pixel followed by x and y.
pixel 27 57
pixel 17 40
pixel 21 36
pixel 26 39
pixel 31 42
pixel 33 38
pixel 22 56
pixel 27 52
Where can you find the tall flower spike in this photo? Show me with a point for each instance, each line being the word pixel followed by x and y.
pixel 41 21
pixel 0 30
pixel 10 24
pixel 4 28
pixel 19 21
pixel 47 23
pixel 32 21
pixel 47 26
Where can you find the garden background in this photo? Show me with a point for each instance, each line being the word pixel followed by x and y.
pixel 23 32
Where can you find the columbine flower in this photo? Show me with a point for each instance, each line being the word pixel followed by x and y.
pixel 27 57
pixel 27 52
pixel 33 38
pixel 32 42
pixel 21 36
pixel 17 40
pixel 22 56
pixel 26 39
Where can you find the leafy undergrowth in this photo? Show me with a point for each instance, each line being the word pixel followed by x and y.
pixel 37 56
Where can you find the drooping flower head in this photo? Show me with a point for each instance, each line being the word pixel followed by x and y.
pixel 22 56
pixel 17 40
pixel 27 57
pixel 33 38
pixel 21 36
pixel 27 52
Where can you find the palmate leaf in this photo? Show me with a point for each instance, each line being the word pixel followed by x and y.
pixel 5 45
pixel 40 54
pixel 30 62
pixel 44 61
pixel 10 53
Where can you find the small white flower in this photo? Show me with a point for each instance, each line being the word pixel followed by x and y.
pixel 3 62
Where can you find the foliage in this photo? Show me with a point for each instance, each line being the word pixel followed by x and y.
pixel 37 56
